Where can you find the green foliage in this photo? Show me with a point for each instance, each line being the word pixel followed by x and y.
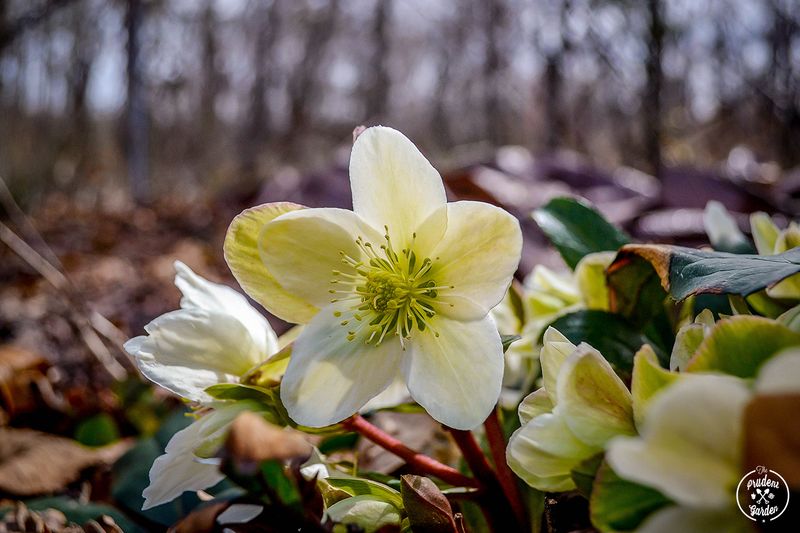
pixel 99 430
pixel 739 345
pixel 576 229
pixel 611 334
pixel 620 505
pixel 365 487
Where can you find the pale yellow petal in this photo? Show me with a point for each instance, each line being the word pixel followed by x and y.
pixel 303 249
pixel 478 256
pixel 392 183
pixel 242 256
pixel 456 376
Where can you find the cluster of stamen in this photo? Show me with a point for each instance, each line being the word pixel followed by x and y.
pixel 392 293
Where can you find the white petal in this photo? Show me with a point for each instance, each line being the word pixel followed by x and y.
pixel 303 248
pixel 178 470
pixel 329 377
pixel 456 376
pixel 392 183
pixel 394 395
pixel 780 374
pixel 188 350
pixel 478 255
pixel 535 404
pixel 239 513
pixel 595 403
pixel 690 448
pixel 539 469
pixel 692 520
pixel 203 294
pixel 555 350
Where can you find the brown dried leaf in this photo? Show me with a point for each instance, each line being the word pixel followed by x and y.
pixel 34 463
pixel 770 438
pixel 202 520
pixel 253 439
pixel 427 508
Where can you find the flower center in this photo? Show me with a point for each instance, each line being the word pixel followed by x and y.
pixel 392 293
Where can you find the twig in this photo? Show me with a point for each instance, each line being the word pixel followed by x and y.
pixel 422 462
pixel 25 225
pixel 497 446
pixel 63 285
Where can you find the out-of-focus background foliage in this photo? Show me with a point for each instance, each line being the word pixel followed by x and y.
pixel 132 131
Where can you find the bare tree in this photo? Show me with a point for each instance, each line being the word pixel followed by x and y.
pixel 377 88
pixel 137 119
pixel 655 77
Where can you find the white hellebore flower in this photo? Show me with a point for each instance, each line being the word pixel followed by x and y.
pixel 216 337
pixel 400 286
pixel 691 446
pixel 582 405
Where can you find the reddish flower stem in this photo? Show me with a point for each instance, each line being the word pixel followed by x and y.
pixel 497 445
pixel 498 509
pixel 420 461
pixel 474 457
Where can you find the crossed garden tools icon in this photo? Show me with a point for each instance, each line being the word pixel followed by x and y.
pixel 762 496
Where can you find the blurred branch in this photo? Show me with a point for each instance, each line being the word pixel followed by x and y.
pixel 11 31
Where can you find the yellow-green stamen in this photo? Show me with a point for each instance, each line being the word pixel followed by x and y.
pixel 392 293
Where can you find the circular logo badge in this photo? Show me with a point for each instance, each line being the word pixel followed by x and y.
pixel 762 495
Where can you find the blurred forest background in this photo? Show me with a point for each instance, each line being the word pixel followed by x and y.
pixel 133 131
pixel 213 95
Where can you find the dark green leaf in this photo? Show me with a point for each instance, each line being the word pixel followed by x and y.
pixel 277 480
pixel 620 505
pixel 335 443
pixel 238 391
pixel 576 229
pixel 686 271
pixel 611 334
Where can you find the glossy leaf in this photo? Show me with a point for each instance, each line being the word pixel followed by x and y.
pixel 576 229
pixel 611 334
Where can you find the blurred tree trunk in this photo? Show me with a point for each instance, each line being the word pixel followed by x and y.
pixel 553 88
pixel 451 43
pixel 493 21
pixel 377 92
pixel 303 84
pixel 783 86
pixel 652 98
pixel 211 75
pixel 257 128
pixel 137 121
pixel 78 84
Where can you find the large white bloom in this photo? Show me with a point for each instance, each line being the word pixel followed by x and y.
pixel 400 285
